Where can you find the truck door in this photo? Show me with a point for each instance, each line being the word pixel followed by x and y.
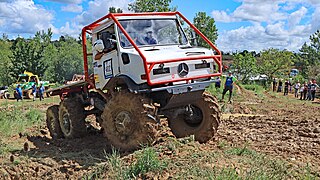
pixel 107 66
pixel 104 68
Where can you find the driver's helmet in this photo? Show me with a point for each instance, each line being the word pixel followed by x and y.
pixel 98 45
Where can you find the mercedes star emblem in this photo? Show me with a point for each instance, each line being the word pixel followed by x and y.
pixel 183 69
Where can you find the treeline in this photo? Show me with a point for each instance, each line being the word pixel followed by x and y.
pixel 55 61
pixel 277 63
pixel 58 60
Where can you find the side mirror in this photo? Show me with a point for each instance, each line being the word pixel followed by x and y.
pixel 193 38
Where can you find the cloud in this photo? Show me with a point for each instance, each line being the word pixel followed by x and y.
pixel 72 8
pixel 71 29
pixel 283 24
pixel 22 16
pixel 252 10
pixel 67 1
pixel 99 8
pixel 258 37
pixel 222 16
pixel 315 21
pixel 295 17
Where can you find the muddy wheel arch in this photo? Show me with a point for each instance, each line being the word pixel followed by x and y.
pixel 204 121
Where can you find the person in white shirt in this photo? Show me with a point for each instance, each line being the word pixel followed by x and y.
pixel 296 89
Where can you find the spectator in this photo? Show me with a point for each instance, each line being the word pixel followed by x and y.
pixel 305 91
pixel 18 93
pixel 218 83
pixel 280 86
pixel 302 90
pixel 296 89
pixel 41 91
pixel 228 86
pixel 309 91
pixel 286 88
pixel 34 91
pixel 290 86
pixel 313 89
pixel 274 84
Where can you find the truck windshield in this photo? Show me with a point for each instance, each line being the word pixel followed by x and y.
pixel 148 32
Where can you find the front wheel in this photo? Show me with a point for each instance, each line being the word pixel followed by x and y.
pixel 72 118
pixel 200 119
pixel 125 123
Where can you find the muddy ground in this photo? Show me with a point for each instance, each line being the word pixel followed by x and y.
pixel 280 127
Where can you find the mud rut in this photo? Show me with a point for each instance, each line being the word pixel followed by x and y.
pixel 288 131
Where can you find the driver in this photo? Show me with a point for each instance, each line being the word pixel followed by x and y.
pixel 149 39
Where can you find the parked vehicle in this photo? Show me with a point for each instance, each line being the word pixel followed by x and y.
pixel 4 92
pixel 294 72
pixel 26 81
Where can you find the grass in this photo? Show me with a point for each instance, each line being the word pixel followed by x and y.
pixel 233 163
pixel 146 161
pixel 16 120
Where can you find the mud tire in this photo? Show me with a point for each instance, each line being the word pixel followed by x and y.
pixel 52 121
pixel 72 118
pixel 125 124
pixel 206 128
pixel 29 94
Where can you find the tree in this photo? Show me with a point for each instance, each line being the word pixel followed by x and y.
pixel 27 53
pixel 245 65
pixel 274 62
pixel 207 26
pixel 63 60
pixel 115 10
pixel 151 6
pixel 309 57
pixel 5 63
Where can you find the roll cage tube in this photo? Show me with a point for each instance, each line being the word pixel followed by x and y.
pixel 149 65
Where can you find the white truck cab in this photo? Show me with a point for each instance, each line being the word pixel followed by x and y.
pixel 159 45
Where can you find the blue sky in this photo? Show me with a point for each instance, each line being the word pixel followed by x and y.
pixel 242 24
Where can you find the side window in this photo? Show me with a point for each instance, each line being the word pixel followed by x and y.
pixel 108 38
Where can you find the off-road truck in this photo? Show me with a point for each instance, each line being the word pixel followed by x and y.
pixel 143 68
pixel 26 81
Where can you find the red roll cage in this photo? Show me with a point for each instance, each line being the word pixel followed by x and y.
pixel 149 65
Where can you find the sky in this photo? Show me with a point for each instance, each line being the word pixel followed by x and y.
pixel 252 25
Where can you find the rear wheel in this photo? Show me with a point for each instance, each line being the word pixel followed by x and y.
pixel 72 118
pixel 29 94
pixel 125 124
pixel 201 119
pixel 53 122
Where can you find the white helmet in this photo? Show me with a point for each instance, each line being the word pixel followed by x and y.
pixel 98 45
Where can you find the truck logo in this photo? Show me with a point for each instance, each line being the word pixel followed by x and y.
pixel 183 69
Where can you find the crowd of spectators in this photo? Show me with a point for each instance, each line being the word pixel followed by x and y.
pixel 302 91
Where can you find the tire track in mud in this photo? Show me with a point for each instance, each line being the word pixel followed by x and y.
pixel 291 137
